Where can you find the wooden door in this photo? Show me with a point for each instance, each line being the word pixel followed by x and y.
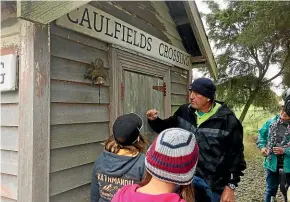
pixel 133 78
pixel 139 96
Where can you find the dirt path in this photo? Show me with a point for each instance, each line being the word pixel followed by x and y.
pixel 253 183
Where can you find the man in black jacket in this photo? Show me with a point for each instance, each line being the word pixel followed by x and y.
pixel 219 134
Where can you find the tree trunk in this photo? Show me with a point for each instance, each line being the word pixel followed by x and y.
pixel 248 104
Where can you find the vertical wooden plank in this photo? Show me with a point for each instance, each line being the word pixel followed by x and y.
pixel 157 97
pixel 34 115
pixel 139 96
pixel 167 101
pixel 115 86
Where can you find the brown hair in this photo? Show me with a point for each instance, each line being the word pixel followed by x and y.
pixel 186 192
pixel 139 146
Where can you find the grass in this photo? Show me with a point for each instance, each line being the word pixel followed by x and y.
pixel 254 120
pixel 251 151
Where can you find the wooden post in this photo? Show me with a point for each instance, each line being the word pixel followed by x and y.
pixel 167 100
pixel 34 114
pixel 115 88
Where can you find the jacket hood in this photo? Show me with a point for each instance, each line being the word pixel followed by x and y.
pixel 116 165
pixel 224 109
pixel 129 194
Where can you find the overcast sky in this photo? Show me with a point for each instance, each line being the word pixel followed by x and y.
pixel 202 7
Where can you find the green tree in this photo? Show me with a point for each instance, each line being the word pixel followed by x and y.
pixel 246 56
pixel 271 21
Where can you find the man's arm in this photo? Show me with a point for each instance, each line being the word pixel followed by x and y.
pixel 159 124
pixel 237 159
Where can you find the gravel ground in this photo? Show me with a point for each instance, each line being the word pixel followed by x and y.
pixel 253 183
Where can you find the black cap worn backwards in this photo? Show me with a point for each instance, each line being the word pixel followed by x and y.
pixel 126 129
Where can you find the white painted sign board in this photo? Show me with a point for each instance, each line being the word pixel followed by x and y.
pixel 8 79
pixel 98 24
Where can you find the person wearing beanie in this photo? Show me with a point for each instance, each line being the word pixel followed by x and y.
pixel 274 141
pixel 171 160
pixel 122 161
pixel 219 135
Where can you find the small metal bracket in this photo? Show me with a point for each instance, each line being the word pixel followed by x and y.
pixel 96 72
pixel 161 88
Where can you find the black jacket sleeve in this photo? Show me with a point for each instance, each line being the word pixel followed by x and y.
pixel 159 124
pixel 236 156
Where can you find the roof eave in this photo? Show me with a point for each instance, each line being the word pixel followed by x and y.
pixel 200 34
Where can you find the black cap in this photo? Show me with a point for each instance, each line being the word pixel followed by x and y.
pixel 126 129
pixel 204 86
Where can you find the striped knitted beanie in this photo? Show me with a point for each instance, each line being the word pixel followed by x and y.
pixel 173 156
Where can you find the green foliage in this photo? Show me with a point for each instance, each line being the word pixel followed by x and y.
pixel 250 45
pixel 271 22
pixel 235 92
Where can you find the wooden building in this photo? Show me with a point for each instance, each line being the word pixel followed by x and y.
pixel 79 66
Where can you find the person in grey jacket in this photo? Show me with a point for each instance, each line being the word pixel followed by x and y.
pixel 122 160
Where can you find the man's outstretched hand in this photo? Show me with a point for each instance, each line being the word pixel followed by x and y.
pixel 152 114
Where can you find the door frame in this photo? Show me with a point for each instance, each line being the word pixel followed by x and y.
pixel 122 59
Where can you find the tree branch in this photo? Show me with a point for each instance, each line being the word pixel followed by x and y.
pixel 253 53
pixel 241 61
pixel 267 62
pixel 265 71
pixel 274 77
pixel 287 60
